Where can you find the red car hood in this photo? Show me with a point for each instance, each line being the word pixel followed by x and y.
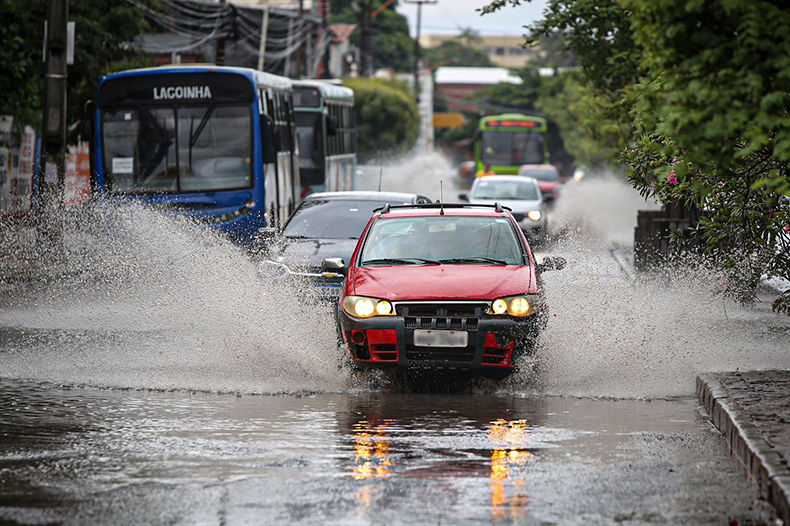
pixel 442 282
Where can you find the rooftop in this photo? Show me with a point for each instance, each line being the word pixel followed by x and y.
pixel 467 75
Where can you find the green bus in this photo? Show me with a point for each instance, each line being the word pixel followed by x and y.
pixel 505 142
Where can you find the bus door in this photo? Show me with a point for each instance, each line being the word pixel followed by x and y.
pixel 284 172
pixel 293 148
pixel 270 185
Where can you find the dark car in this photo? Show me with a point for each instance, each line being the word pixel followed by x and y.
pixel 443 287
pixel 325 225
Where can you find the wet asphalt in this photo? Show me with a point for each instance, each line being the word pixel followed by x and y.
pixel 81 455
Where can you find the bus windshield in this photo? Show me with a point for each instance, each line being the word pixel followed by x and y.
pixel 195 148
pixel 501 148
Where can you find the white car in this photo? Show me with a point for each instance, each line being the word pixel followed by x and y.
pixel 521 194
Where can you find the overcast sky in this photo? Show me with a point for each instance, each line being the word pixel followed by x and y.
pixel 447 16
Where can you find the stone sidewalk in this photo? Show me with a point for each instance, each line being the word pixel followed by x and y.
pixel 752 411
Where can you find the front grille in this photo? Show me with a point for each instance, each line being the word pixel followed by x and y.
pixel 444 316
pixel 440 354
pixel 518 217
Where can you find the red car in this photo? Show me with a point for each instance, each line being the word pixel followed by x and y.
pixel 547 175
pixel 442 287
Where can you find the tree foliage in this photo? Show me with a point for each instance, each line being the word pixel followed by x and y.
pixel 704 87
pixel 593 127
pixel 103 30
pixel 387 117
pixel 392 46
pixel 455 53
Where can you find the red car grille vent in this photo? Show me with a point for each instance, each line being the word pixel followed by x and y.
pixel 444 316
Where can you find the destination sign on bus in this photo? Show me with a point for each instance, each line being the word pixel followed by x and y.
pixel 179 88
pixel 512 124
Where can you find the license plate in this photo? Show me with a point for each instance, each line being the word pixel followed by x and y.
pixel 430 338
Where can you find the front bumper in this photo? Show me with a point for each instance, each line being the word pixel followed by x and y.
pixel 323 286
pixel 494 346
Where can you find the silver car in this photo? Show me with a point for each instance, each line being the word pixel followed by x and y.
pixel 521 194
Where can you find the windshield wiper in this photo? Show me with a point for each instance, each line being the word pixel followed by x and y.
pixel 405 261
pixel 193 135
pixel 474 260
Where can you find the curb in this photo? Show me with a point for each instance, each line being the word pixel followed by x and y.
pixel 623 263
pixel 745 443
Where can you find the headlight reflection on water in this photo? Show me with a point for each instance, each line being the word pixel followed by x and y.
pixel 508 469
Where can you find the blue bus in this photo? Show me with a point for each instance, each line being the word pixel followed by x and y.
pixel 327 128
pixel 216 143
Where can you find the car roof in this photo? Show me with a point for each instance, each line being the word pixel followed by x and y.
pixel 452 210
pixel 506 178
pixel 538 167
pixel 363 195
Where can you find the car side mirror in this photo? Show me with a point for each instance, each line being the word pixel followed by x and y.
pixel 463 197
pixel 336 265
pixel 552 263
pixel 548 198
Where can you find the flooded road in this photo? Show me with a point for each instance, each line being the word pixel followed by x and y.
pixel 150 374
pixel 99 456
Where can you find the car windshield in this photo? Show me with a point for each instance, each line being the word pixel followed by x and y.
pixel 515 189
pixel 187 149
pixel 540 174
pixel 512 148
pixel 331 218
pixel 442 240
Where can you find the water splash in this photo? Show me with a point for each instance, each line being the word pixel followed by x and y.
pixel 137 299
pixel 609 335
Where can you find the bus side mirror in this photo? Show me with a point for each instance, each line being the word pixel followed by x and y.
pixel 267 139
pixel 88 114
pixel 463 197
pixel 331 126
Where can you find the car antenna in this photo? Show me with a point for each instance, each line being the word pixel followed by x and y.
pixel 441 198
pixel 381 174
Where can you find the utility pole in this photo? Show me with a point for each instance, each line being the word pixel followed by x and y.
pixel 417 44
pixel 366 40
pixel 264 36
pixel 53 166
pixel 219 58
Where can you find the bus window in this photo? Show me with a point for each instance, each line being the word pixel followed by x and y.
pixel 512 148
pixel 311 151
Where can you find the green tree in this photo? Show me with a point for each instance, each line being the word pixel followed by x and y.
pixel 387 118
pixel 392 45
pixel 706 85
pixel 715 124
pixel 103 30
pixel 594 130
pixel 455 53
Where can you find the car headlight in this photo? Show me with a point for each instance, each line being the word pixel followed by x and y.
pixel 522 305
pixel 534 215
pixel 362 307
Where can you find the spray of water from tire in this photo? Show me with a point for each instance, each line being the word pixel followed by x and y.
pixel 138 299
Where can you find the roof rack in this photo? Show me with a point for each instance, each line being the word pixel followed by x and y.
pixel 386 208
